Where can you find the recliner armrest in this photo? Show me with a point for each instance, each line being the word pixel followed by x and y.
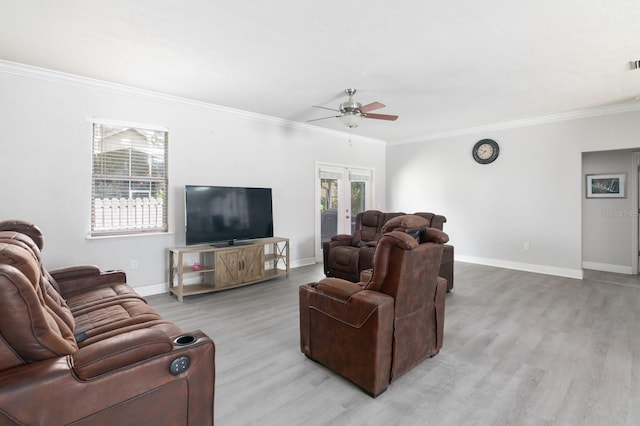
pixel 119 351
pixel 340 240
pixel 50 392
pixel 336 287
pixel 73 272
pixel 80 283
pixel 354 311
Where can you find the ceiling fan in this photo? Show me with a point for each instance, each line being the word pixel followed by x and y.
pixel 351 111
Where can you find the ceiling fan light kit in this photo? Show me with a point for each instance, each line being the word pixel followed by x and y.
pixel 352 111
pixel 351 119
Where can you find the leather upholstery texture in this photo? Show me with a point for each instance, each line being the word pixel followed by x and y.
pixel 346 256
pixel 85 348
pixel 374 332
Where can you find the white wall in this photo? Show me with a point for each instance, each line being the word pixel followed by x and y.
pixel 531 194
pixel 46 165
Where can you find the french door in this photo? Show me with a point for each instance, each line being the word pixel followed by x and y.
pixel 342 192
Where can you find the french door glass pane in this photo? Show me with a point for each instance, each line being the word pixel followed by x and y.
pixel 357 201
pixel 328 209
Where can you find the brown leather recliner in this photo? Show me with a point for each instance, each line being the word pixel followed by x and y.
pixel 104 357
pixel 373 332
pixel 346 256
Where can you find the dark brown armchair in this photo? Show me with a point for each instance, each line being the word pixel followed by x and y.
pixel 373 332
pixel 346 256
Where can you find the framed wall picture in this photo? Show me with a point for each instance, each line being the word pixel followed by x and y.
pixel 606 185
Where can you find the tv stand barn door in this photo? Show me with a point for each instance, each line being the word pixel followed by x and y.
pixel 240 265
pixel 203 269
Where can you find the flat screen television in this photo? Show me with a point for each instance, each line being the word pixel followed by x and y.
pixel 224 215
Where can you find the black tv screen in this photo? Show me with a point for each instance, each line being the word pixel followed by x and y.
pixel 223 214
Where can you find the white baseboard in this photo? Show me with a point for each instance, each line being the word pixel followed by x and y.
pixel 606 267
pixel 152 289
pixel 302 262
pixel 528 267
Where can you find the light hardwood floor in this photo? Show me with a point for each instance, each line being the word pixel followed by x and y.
pixel 519 349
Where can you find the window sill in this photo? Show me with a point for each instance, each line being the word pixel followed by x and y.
pixel 141 234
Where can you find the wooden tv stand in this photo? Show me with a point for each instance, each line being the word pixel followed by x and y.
pixel 221 268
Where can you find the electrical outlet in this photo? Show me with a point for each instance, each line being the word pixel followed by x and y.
pixel 526 247
pixel 134 264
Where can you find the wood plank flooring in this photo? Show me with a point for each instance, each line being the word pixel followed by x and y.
pixel 519 349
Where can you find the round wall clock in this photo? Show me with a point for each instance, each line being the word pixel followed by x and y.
pixel 485 151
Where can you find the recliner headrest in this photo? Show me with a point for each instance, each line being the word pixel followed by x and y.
pixel 416 226
pixel 24 227
pixel 434 235
pixel 371 218
pixel 405 223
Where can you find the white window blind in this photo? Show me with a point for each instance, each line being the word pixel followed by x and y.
pixel 129 180
pixel 360 176
pixel 330 174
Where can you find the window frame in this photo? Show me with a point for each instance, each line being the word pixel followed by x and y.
pixel 129 216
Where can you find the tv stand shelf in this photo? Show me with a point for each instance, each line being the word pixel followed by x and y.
pixel 222 268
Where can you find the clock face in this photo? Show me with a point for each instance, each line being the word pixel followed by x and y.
pixel 485 151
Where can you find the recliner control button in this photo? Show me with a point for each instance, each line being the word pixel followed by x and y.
pixel 179 365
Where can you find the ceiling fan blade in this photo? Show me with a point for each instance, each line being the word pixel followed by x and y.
pixel 323 118
pixel 330 109
pixel 388 117
pixel 370 107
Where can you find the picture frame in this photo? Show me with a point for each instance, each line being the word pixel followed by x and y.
pixel 610 185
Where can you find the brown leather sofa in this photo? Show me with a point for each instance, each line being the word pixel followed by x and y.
pixel 373 332
pixel 346 256
pixel 79 346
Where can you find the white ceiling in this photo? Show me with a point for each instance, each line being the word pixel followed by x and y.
pixel 442 66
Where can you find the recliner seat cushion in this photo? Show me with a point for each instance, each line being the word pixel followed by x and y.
pixel 114 315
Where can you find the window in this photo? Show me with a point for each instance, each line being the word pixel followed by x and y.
pixel 129 180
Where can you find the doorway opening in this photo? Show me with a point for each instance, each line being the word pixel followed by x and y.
pixel 610 223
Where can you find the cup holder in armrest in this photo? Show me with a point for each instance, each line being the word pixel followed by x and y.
pixel 185 339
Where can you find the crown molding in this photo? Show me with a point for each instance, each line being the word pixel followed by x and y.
pixel 60 77
pixel 546 119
